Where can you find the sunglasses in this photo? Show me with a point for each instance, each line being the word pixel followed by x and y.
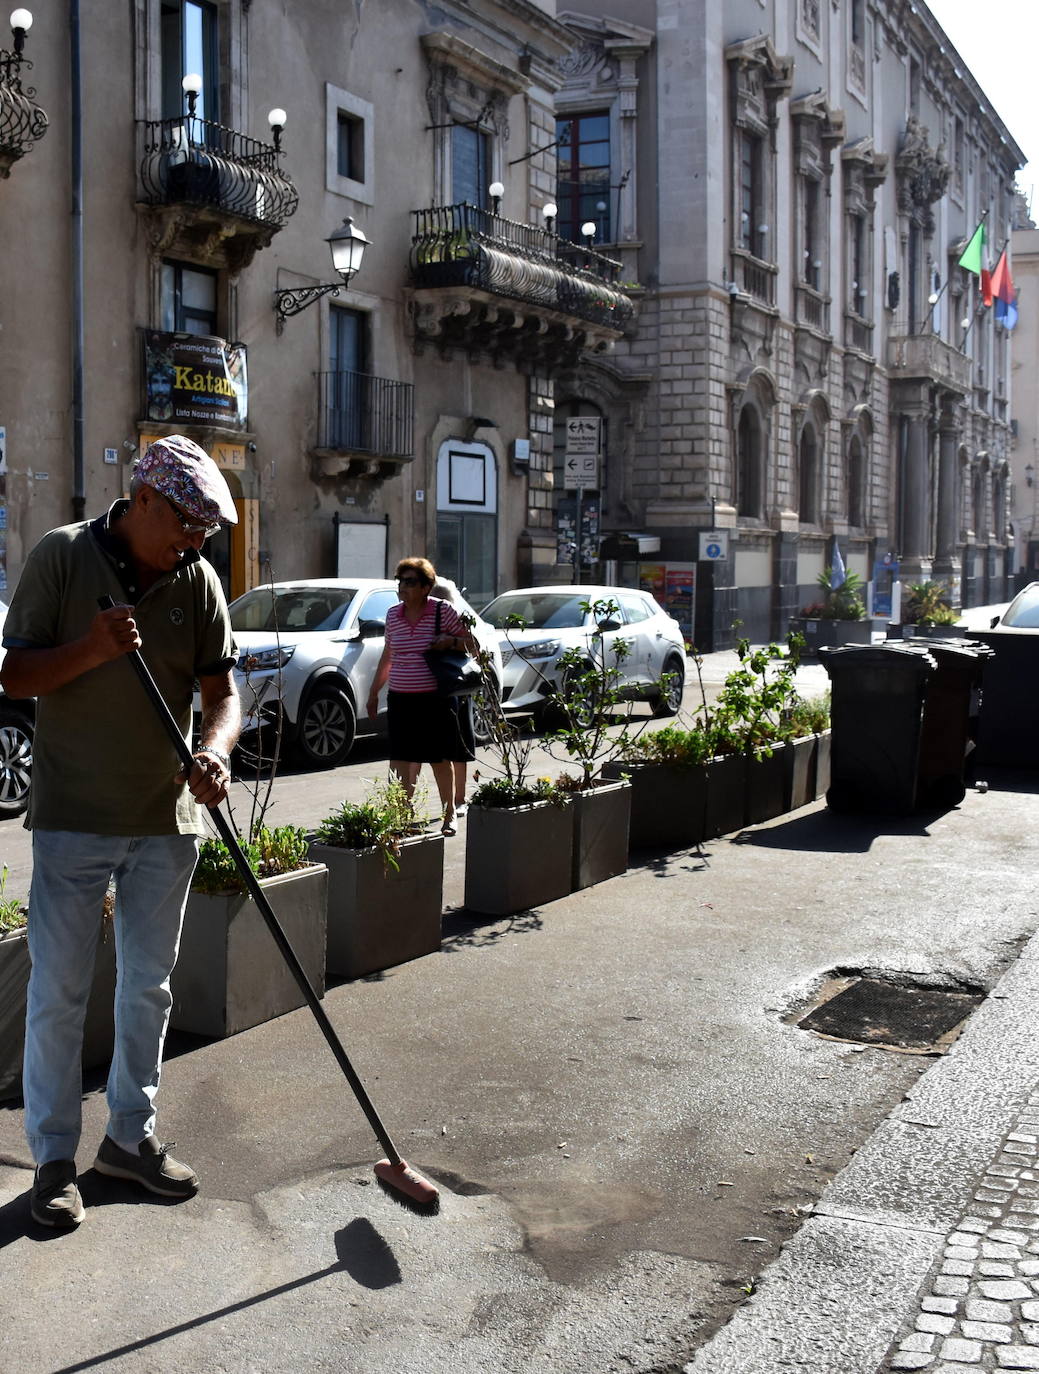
pixel 186 523
pixel 411 581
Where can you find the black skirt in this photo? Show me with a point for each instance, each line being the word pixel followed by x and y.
pixel 425 727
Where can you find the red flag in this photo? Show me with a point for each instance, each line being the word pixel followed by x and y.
pixel 1002 281
pixel 986 287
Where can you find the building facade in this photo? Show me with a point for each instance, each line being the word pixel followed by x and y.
pixel 166 269
pixel 792 186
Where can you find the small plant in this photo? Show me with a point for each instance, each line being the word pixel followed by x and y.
pixel 380 822
pixel 507 792
pixel 843 602
pixel 269 852
pixel 751 711
pixel 808 716
pixel 928 604
pixel 12 912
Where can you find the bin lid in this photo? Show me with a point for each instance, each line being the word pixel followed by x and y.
pixel 959 650
pixel 894 655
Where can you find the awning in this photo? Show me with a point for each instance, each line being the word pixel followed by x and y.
pixel 625 545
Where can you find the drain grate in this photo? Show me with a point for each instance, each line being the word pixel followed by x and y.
pixel 899 1016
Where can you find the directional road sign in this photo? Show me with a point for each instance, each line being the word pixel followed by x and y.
pixel 581 472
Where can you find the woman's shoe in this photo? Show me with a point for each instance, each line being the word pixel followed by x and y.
pixel 449 828
pixel 460 809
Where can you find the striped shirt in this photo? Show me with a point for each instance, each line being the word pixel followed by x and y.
pixel 409 671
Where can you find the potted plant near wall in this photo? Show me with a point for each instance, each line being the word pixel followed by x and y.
pixel 99 1025
pixel 839 618
pixel 927 612
pixel 385 883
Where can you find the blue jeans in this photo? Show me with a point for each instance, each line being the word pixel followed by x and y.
pixel 71 873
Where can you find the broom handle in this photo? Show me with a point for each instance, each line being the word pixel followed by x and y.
pixel 258 895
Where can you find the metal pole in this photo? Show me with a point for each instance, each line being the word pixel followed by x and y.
pixel 79 495
pixel 577 535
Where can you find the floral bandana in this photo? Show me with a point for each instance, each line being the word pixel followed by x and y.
pixel 179 469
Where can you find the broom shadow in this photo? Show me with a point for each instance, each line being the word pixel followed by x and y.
pixel 361 1252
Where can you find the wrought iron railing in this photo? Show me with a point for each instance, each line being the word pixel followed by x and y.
pixel 364 414
pixel 22 121
pixel 462 245
pixel 193 161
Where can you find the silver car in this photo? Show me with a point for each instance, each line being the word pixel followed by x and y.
pixel 556 619
pixel 316 644
pixel 16 733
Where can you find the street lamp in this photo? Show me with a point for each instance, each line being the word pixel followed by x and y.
pixel 347 245
pixel 21 23
pixel 588 232
pixel 549 211
pixel 496 190
pixel 276 121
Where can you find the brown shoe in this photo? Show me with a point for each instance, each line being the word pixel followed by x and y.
pixel 153 1167
pixel 55 1196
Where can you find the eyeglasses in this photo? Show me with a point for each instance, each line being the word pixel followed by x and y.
pixel 186 523
pixel 411 581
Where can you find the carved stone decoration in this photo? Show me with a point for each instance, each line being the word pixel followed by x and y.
pixel 204 236
pixel 864 170
pixel 923 175
pixel 466 84
pixel 761 78
pixel 818 130
pixel 582 60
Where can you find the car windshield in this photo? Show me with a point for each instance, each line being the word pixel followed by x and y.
pixel 291 608
pixel 539 610
pixel 1023 614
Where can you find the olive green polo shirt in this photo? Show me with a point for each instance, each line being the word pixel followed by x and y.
pixel 102 762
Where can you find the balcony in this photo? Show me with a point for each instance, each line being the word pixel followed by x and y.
pixel 366 425
pixel 484 284
pixel 927 358
pixel 22 121
pixel 754 277
pixel 212 193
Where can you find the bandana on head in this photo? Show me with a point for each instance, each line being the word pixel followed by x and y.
pixel 178 468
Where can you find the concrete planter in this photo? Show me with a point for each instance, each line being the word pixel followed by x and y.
pixel 822 764
pixel 517 857
pixel 668 803
pixel 230 974
pixel 602 817
pixel 379 916
pixel 98 1027
pixel 800 772
pixel 768 785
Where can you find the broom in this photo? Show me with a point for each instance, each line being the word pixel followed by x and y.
pixel 393 1174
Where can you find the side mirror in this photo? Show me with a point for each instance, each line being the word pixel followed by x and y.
pixel 371 629
pixel 605 625
pixel 994 622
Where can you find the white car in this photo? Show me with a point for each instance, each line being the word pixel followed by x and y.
pixel 317 643
pixel 16 731
pixel 555 620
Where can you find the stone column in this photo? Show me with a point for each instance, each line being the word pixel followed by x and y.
pixel 915 489
pixel 946 562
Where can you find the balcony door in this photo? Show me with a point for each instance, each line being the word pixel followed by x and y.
pixel 470 166
pixel 348 353
pixel 190 44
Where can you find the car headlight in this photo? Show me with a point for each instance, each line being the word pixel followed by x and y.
pixel 541 648
pixel 264 660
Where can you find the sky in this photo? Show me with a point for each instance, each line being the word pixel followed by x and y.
pixel 999 40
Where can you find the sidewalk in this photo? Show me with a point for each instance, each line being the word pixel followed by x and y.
pixel 628 1130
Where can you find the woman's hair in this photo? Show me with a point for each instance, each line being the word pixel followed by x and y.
pixel 445 590
pixel 422 566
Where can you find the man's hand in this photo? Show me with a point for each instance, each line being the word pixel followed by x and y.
pixel 209 781
pixel 114 633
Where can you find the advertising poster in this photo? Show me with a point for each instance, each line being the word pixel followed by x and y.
pixel 195 379
pixel 653 579
pixel 680 596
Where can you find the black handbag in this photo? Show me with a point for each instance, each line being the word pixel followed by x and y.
pixel 457 673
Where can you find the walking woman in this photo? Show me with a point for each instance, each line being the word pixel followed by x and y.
pixel 423 725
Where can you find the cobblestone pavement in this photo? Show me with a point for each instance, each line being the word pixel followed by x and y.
pixel 980 1309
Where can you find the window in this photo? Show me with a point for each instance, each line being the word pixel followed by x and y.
pixel 188 299
pixel 858 267
pixel 913 275
pixel 189 45
pixel 583 173
pixel 748 462
pixel 914 86
pixel 470 166
pixel 856 482
pixel 350 146
pixel 377 606
pixel 808 476
pixel 348 407
pixel 635 608
pixel 752 212
pixel 812 250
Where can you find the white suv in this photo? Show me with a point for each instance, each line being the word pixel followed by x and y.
pixel 319 642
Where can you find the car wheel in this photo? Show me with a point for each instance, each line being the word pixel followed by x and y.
pixel 16 733
pixel 556 716
pixel 326 728
pixel 669 701
pixel 486 709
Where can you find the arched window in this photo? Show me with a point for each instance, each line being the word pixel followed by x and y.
pixel 808 475
pixel 749 461
pixel 856 482
pixel 978 502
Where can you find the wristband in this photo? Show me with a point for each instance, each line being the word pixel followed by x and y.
pixel 216 753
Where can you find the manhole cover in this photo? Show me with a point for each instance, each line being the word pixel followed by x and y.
pixel 876 1012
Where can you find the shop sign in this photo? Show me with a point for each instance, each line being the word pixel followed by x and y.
pixel 194 379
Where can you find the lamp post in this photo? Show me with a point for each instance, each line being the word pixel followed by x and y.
pixel 276 121
pixel 347 245
pixel 191 85
pixel 549 211
pixel 496 190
